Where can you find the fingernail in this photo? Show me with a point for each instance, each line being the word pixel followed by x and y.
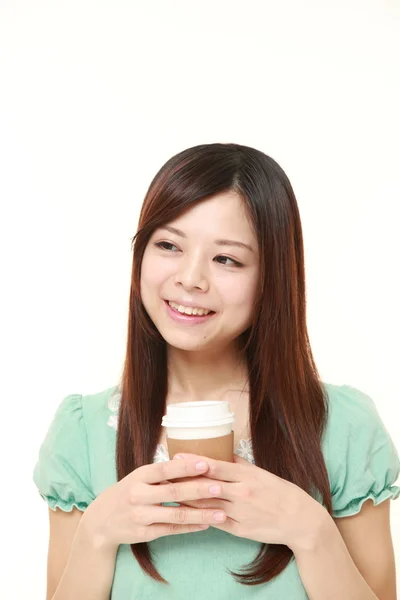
pixel 204 526
pixel 219 516
pixel 178 456
pixel 201 466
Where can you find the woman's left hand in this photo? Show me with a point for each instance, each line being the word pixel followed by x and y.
pixel 260 505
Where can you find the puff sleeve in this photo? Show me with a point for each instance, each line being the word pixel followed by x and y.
pixel 362 460
pixel 62 472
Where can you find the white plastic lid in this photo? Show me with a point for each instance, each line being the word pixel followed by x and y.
pixel 204 413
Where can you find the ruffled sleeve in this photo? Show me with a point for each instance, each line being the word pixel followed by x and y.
pixel 362 460
pixel 62 472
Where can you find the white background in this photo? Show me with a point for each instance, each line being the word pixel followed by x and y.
pixel 95 97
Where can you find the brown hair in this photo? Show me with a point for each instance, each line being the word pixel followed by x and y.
pixel 288 406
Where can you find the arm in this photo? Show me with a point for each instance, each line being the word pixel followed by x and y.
pixel 77 566
pixel 127 512
pixel 327 568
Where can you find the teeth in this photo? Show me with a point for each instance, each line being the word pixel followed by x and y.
pixel 186 310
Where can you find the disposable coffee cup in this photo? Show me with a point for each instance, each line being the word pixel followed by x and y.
pixel 203 427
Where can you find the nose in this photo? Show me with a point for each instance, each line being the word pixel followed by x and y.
pixel 191 275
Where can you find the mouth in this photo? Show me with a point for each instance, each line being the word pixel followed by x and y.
pixel 189 310
pixel 187 314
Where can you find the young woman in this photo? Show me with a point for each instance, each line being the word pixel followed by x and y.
pixel 218 312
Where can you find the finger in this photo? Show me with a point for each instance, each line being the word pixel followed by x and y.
pixel 229 508
pixel 227 490
pixel 156 531
pixel 221 489
pixel 211 503
pixel 182 515
pixel 189 490
pixel 218 469
pixel 156 472
pixel 230 526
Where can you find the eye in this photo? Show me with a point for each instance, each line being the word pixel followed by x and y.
pixel 234 262
pixel 163 245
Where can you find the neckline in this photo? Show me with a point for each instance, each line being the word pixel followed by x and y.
pixel 244 448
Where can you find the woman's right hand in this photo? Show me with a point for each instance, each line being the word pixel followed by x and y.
pixel 130 511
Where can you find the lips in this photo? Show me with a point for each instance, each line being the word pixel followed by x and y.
pixel 189 309
pixel 184 318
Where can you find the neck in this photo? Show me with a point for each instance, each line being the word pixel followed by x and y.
pixel 195 376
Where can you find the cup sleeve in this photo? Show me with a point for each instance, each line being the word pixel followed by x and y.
pixel 363 460
pixel 62 471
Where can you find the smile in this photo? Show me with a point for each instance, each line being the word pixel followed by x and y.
pixel 187 315
pixel 188 310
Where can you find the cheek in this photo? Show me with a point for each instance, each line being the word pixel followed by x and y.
pixel 151 275
pixel 148 283
pixel 239 293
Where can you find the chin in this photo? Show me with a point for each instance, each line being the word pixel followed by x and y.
pixel 187 344
pixel 190 341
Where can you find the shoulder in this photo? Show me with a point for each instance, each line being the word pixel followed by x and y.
pixel 69 471
pixel 350 408
pixel 101 407
pixel 361 458
pixel 353 421
pixel 91 417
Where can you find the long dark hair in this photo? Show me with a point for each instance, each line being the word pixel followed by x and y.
pixel 288 406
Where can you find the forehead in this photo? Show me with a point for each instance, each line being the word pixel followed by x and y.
pixel 223 214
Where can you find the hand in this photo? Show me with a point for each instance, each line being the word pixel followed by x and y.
pixel 130 511
pixel 260 505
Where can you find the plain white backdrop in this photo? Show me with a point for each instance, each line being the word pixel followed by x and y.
pixel 95 97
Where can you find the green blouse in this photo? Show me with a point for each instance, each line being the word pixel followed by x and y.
pixel 77 462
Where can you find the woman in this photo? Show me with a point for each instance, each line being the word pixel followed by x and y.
pixel 220 236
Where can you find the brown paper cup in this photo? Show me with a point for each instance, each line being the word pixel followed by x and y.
pixel 218 448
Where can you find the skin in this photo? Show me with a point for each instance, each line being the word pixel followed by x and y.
pixel 253 501
pixel 194 268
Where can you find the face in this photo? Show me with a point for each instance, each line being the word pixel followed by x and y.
pixel 205 259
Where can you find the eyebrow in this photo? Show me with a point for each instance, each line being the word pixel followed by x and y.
pixel 218 242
